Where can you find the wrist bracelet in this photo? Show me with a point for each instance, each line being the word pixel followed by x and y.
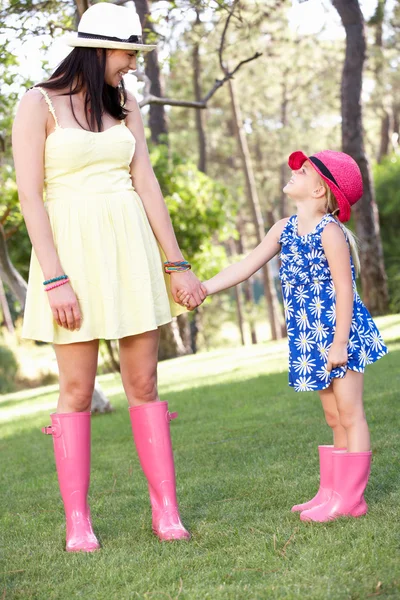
pixel 177 267
pixel 54 279
pixel 56 285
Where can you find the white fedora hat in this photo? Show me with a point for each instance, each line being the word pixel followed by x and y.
pixel 106 25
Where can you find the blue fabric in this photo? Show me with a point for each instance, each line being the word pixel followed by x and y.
pixel 309 302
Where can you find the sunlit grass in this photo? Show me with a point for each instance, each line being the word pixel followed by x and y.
pixel 246 450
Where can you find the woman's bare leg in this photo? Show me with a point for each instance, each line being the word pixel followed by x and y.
pixel 77 365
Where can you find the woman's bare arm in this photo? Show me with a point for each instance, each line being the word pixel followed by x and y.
pixel 147 186
pixel 28 140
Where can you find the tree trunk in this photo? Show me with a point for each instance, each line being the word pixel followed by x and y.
pixel 373 276
pixel 81 6
pixel 238 296
pixel 247 288
pixel 157 119
pixel 377 22
pixel 269 289
pixel 283 168
pixel 6 310
pixel 199 114
pixel 171 343
pixel 9 274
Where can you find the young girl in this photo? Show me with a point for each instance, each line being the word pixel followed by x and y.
pixel 331 334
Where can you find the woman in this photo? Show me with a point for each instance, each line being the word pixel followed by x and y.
pixel 96 269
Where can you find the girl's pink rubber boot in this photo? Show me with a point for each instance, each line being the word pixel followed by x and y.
pixel 71 439
pixel 325 479
pixel 350 477
pixel 151 433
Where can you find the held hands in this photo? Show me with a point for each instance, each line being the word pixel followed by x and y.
pixel 337 356
pixel 65 307
pixel 187 290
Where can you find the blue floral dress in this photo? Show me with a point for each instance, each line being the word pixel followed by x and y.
pixel 309 303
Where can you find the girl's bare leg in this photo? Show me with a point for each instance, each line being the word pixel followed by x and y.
pixel 349 398
pixel 332 418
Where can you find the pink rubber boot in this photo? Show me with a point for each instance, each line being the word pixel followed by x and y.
pixel 71 438
pixel 325 479
pixel 350 477
pixel 151 432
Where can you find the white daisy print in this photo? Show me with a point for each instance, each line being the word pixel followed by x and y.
pixel 304 364
pixel 315 259
pixel 301 295
pixel 304 342
pixel 288 306
pixel 316 306
pixel 305 384
pixel 316 285
pixel 323 349
pixel 330 288
pixel 323 374
pixel 302 319
pixel 319 330
pixel 331 314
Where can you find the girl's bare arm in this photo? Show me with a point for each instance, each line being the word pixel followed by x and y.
pixel 243 269
pixel 338 255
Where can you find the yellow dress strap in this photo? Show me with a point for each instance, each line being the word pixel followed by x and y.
pixel 49 104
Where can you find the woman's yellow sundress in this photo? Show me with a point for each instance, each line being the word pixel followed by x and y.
pixel 103 238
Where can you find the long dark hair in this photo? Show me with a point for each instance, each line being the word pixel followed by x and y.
pixel 85 68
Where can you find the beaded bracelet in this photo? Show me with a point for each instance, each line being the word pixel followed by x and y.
pixel 55 279
pixel 56 285
pixel 177 267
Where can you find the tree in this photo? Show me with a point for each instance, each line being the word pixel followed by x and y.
pixel 373 276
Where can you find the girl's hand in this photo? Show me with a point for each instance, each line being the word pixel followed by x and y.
pixel 65 307
pixel 184 298
pixel 186 281
pixel 337 356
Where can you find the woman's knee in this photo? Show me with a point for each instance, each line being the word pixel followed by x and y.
pixel 142 387
pixel 77 395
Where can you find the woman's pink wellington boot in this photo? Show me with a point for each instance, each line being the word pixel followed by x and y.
pixel 325 479
pixel 350 477
pixel 71 438
pixel 151 432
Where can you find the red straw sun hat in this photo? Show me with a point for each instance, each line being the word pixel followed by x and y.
pixel 341 173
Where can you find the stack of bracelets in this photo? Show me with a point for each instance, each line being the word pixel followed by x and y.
pixel 177 267
pixel 55 282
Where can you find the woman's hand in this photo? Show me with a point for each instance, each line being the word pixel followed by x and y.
pixel 186 281
pixel 337 356
pixel 65 307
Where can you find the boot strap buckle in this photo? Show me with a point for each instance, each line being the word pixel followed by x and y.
pixel 171 416
pixel 54 430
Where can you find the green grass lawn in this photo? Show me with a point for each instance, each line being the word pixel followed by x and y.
pixel 246 450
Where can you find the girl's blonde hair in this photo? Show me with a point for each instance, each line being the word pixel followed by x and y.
pixel 331 206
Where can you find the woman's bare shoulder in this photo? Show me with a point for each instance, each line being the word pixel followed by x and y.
pixel 34 101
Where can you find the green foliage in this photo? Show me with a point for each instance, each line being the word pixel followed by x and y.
pixel 8 370
pixel 387 177
pixel 200 209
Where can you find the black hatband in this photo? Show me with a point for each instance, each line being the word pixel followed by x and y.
pixel 324 170
pixel 133 39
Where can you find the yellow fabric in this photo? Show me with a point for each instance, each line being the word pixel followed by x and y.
pixel 103 238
